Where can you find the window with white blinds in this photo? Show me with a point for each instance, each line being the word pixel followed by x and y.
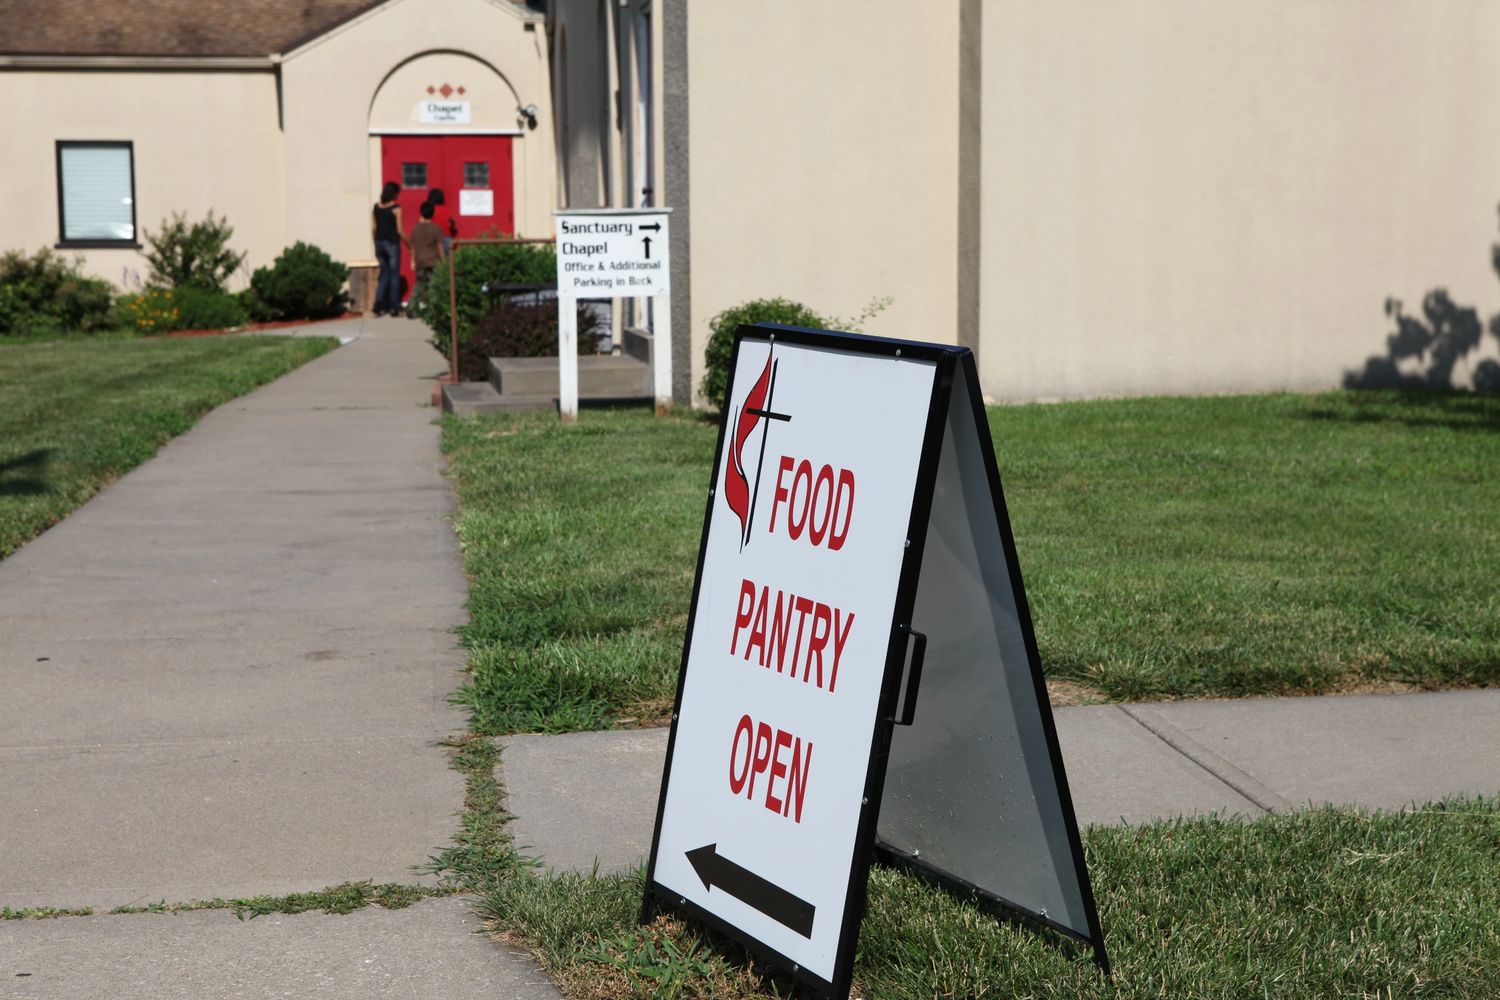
pixel 96 194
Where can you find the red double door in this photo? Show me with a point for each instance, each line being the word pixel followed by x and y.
pixel 473 172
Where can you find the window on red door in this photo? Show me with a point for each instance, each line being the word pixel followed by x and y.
pixel 476 175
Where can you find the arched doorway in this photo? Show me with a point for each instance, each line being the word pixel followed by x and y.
pixel 447 121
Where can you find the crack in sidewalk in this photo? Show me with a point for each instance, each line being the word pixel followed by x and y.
pixel 1222 770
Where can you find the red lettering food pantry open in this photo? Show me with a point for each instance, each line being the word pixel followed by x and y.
pixel 856 554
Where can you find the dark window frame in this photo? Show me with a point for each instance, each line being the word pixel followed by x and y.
pixel 62 221
pixel 406 165
pixel 485 165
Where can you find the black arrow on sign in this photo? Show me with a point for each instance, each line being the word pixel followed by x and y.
pixel 647 240
pixel 749 888
pixel 655 227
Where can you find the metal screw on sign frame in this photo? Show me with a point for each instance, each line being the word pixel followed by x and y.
pixel 453 292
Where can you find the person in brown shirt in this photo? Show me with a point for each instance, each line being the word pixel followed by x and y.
pixel 426 253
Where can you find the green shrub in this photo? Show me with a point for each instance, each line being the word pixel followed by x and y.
pixel 514 330
pixel 721 338
pixel 186 254
pixel 154 310
pixel 45 294
pixel 163 310
pixel 479 266
pixel 304 283
pixel 255 310
pixel 203 309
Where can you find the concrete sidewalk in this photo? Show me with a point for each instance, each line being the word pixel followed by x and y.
pixel 592 796
pixel 227 675
pixel 431 950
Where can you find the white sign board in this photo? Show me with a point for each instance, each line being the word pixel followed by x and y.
pixel 787 657
pixel 856 508
pixel 476 201
pixel 613 254
pixel 443 112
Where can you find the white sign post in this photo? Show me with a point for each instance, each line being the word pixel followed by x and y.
pixel 613 253
pixel 841 461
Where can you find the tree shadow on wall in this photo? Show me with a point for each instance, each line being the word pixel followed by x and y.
pixel 25 475
pixel 1420 362
pixel 1423 353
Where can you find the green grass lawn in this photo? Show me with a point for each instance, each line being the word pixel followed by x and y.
pixel 1171 548
pixel 1260 544
pixel 75 414
pixel 580 544
pixel 1231 546
pixel 1329 902
pixel 1325 903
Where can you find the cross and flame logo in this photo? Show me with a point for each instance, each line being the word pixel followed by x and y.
pixel 755 411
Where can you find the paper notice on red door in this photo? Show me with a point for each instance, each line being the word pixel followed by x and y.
pixel 476 201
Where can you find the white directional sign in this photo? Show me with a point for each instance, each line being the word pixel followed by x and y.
pixel 853 511
pixel 607 254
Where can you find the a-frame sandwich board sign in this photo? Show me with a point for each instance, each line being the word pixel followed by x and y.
pixel 859 674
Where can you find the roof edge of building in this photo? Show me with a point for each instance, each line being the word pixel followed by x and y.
pixel 358 14
pixel 515 8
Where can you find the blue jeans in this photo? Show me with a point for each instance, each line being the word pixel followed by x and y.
pixel 388 291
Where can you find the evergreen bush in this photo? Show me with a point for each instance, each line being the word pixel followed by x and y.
pixel 304 283
pixel 720 347
pixel 480 268
pixel 255 310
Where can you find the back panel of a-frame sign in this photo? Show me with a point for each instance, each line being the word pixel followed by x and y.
pixel 975 792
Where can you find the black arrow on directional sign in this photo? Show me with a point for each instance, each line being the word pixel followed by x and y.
pixel 749 888
pixel 647 240
pixel 655 227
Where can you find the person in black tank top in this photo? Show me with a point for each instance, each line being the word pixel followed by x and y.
pixel 385 228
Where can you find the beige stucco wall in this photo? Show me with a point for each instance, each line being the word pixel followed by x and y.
pixel 491 98
pixel 660 194
pixel 582 90
pixel 330 86
pixel 203 141
pixel 824 161
pixel 1182 196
